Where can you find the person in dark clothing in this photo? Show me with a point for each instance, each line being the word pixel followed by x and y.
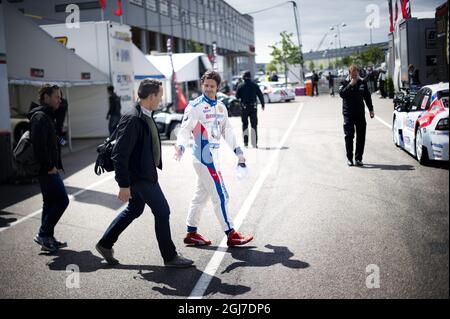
pixel 330 78
pixel 354 92
pixel 382 83
pixel 315 82
pixel 114 110
pixel 371 80
pixel 273 77
pixel 60 116
pixel 413 78
pixel 136 155
pixel 47 150
pixel 376 74
pixel 363 74
pixel 247 93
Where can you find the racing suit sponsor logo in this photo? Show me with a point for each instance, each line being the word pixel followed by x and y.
pixel 211 116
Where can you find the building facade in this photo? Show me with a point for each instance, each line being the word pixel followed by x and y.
pixel 194 25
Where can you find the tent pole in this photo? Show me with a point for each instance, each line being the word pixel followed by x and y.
pixel 69 127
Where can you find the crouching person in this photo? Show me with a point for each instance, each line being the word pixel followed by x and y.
pixel 136 156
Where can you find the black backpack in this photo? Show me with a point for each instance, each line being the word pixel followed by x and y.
pixel 104 162
pixel 25 160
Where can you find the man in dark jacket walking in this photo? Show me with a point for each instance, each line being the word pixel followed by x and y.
pixel 247 93
pixel 136 155
pixel 330 78
pixel 354 92
pixel 315 83
pixel 47 150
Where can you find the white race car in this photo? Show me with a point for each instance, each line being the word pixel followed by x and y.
pixel 276 92
pixel 421 128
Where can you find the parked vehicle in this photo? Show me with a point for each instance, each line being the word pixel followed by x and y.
pixel 420 126
pixel 168 122
pixel 276 92
pixel 231 102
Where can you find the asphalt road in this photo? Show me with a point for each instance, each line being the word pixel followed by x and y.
pixel 322 229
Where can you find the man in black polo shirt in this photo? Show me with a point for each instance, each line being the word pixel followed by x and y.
pixel 247 93
pixel 354 92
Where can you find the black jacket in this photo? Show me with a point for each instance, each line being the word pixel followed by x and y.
pixel 315 77
pixel 247 93
pixel 133 153
pixel 44 139
pixel 330 79
pixel 353 98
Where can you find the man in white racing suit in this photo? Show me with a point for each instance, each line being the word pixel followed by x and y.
pixel 207 119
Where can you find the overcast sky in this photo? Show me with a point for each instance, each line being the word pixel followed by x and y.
pixel 316 17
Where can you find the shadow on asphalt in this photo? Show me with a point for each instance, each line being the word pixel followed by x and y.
pixel 438 164
pixel 20 190
pixel 180 282
pixel 177 282
pixel 4 222
pixel 433 163
pixel 85 260
pixel 254 258
pixel 389 167
pixel 96 197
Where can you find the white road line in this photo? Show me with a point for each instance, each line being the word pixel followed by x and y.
pixel 382 121
pixel 71 197
pixel 216 260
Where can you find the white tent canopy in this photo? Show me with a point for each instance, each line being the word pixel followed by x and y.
pixel 35 57
pixel 186 65
pixel 143 68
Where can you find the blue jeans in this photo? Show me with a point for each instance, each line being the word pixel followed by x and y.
pixel 144 192
pixel 55 203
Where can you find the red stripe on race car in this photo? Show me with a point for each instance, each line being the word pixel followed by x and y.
pixel 435 108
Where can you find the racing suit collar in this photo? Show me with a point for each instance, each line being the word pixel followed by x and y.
pixel 209 101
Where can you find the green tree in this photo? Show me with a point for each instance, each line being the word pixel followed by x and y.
pixel 371 56
pixel 311 65
pixel 338 63
pixel 271 67
pixel 347 60
pixel 195 46
pixel 286 52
